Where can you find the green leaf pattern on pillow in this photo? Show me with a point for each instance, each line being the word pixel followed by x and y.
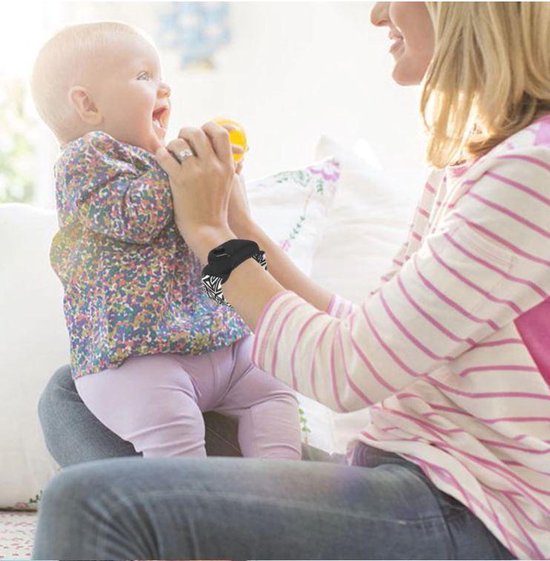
pixel 319 179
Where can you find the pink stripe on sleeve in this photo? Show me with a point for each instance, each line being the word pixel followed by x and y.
pixel 349 379
pixel 416 342
pixel 388 350
pixel 294 354
pixel 514 215
pixel 370 367
pixel 432 320
pixel 502 241
pixel 333 377
pixel 492 267
pixel 259 343
pixel 312 373
pixel 524 158
pixel 519 186
pixel 280 333
pixel 451 302
pixel 471 284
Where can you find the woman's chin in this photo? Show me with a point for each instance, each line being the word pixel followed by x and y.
pixel 409 68
pixel 405 76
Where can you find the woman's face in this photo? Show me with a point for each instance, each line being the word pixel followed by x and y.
pixel 411 30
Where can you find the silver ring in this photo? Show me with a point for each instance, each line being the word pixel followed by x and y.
pixel 182 155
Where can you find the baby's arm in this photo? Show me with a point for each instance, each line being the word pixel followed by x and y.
pixel 117 191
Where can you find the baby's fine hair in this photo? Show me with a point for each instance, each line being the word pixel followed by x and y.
pixel 61 62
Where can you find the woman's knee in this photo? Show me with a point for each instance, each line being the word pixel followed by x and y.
pixel 68 493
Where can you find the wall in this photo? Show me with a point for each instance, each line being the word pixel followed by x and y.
pixel 294 71
pixel 297 70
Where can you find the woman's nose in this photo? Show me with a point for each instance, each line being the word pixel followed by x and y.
pixel 379 14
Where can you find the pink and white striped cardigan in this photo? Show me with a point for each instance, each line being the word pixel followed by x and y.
pixel 451 354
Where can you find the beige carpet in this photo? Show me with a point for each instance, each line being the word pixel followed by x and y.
pixel 16 534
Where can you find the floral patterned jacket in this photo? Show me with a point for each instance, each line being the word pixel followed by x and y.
pixel 132 286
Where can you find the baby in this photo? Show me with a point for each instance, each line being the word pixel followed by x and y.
pixel 149 350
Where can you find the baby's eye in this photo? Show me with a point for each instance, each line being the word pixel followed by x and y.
pixel 144 76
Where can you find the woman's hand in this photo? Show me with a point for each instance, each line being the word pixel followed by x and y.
pixel 201 185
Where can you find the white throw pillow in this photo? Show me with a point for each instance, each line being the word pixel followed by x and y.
pixel 33 343
pixel 33 339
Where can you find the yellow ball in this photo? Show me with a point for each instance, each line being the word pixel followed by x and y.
pixel 236 135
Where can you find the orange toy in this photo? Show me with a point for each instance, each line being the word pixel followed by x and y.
pixel 236 135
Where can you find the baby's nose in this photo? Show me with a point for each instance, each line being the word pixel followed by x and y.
pixel 164 90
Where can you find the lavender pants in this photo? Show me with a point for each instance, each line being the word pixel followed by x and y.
pixel 156 403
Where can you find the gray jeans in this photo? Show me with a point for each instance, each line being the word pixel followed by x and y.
pixel 107 506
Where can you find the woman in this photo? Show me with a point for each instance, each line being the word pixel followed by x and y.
pixel 449 352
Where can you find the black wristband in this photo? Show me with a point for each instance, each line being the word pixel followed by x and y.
pixel 222 260
pixel 225 257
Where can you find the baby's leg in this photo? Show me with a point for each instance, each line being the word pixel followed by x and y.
pixel 149 401
pixel 267 409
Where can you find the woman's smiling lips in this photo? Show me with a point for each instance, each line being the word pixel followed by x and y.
pixel 398 41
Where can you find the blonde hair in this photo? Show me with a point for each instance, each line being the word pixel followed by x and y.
pixel 489 76
pixel 62 62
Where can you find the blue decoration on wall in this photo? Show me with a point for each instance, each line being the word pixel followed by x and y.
pixel 196 30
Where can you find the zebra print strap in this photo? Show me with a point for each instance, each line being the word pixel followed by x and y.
pixel 213 285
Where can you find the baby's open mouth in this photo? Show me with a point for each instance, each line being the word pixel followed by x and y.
pixel 160 117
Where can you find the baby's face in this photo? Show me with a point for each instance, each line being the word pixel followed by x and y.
pixel 130 94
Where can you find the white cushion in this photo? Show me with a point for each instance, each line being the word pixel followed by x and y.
pixel 33 343
pixel 368 222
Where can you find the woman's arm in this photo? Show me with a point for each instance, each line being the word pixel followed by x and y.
pixel 202 195
pixel 485 265
pixel 482 269
pixel 280 266
pixel 249 287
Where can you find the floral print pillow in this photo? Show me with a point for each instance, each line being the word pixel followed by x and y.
pixel 292 207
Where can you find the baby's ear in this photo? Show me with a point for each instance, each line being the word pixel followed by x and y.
pixel 83 104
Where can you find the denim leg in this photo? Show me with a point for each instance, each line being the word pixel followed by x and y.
pixel 71 432
pixel 230 508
